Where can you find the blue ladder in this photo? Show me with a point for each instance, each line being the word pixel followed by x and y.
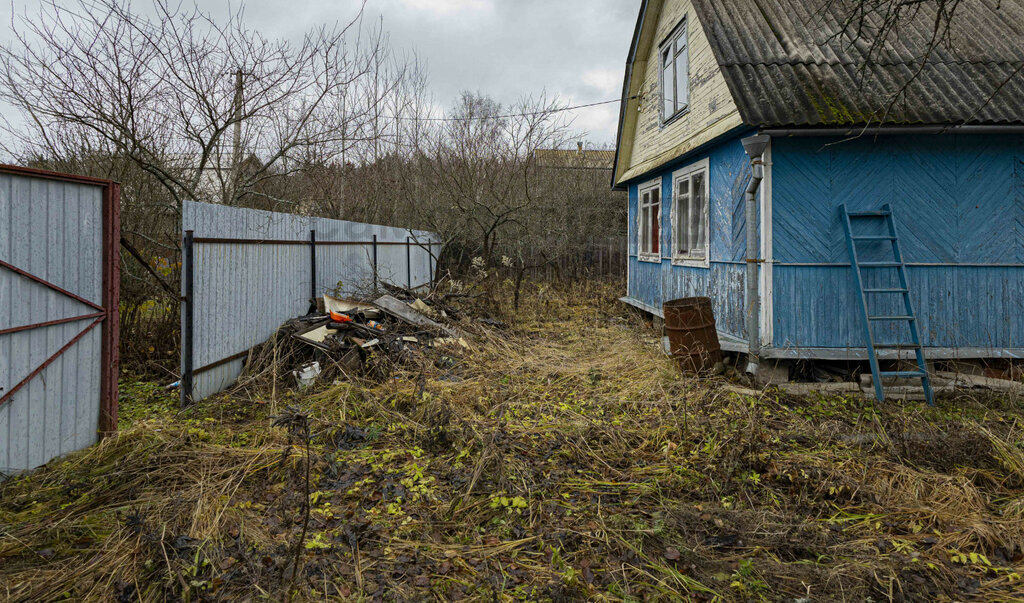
pixel 852 239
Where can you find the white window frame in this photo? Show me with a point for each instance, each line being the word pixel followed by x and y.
pixel 700 259
pixel 674 49
pixel 648 256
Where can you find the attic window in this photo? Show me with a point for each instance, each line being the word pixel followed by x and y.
pixel 649 224
pixel 675 74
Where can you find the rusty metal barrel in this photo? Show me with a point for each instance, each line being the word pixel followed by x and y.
pixel 692 338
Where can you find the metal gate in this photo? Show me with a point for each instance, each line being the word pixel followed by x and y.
pixel 58 314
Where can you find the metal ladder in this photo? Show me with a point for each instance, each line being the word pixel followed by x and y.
pixel 852 239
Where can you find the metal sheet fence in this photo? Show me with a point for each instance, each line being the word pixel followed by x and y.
pixel 246 271
pixel 58 314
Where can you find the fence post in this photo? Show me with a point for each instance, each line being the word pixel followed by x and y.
pixel 408 263
pixel 374 263
pixel 312 265
pixel 186 332
pixel 430 262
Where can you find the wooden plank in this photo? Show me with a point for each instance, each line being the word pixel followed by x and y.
pixel 401 310
pixel 986 382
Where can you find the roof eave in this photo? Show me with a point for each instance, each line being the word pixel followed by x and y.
pixel 627 80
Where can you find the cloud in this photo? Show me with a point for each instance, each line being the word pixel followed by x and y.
pixel 598 123
pixel 505 49
pixel 448 7
pixel 604 80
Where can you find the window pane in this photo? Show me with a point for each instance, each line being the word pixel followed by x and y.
pixel 655 221
pixel 681 67
pixel 668 85
pixel 699 207
pixel 645 213
pixel 682 213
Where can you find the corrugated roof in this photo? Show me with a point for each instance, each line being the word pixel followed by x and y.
pixel 789 63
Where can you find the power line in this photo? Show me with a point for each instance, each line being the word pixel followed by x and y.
pixel 265 148
pixel 507 115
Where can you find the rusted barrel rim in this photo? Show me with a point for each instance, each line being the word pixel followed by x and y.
pixel 686 302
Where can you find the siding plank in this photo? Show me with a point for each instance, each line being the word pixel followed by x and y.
pixel 953 195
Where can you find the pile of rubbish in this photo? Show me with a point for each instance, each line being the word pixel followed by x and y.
pixel 355 336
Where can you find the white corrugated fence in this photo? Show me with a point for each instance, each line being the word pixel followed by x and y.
pixel 252 270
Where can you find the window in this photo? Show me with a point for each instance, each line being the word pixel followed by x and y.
pixel 675 74
pixel 649 224
pixel 690 215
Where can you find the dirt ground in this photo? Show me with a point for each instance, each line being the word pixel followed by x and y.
pixel 561 458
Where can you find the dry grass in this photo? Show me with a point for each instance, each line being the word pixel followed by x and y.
pixel 562 459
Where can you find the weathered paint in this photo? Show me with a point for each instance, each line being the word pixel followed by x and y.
pixel 243 293
pixel 57 228
pixel 653 283
pixel 959 204
pixel 645 141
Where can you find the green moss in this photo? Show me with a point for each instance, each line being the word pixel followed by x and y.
pixel 142 400
pixel 833 112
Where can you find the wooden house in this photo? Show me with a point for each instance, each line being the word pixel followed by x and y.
pixel 837 121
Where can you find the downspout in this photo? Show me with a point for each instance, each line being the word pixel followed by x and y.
pixel 755 146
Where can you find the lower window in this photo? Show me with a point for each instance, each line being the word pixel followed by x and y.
pixel 690 214
pixel 649 224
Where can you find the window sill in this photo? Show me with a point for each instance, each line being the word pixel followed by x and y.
pixel 678 114
pixel 691 262
pixel 651 258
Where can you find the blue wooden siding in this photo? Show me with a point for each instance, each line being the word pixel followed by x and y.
pixel 653 283
pixel 959 203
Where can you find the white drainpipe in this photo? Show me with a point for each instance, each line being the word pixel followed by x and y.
pixel 755 146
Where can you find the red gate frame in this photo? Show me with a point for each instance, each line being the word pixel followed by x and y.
pixel 107 314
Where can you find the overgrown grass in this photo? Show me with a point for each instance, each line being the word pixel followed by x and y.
pixel 562 459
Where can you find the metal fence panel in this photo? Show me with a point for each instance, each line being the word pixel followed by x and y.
pixel 252 271
pixel 55 256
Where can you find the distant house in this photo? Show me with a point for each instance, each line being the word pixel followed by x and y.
pixel 578 158
pixel 941 142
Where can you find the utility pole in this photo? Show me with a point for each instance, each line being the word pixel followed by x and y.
pixel 236 142
pixel 343 179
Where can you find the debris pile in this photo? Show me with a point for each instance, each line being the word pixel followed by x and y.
pixel 349 337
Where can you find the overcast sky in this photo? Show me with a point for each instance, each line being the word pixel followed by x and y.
pixel 575 49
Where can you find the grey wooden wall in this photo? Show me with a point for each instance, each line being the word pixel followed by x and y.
pixel 243 292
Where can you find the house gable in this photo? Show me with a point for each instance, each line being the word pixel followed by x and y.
pixel 644 141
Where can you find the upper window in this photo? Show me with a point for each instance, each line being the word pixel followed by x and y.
pixel 675 74
pixel 690 214
pixel 649 224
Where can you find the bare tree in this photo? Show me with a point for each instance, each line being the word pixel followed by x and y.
pixel 167 92
pixel 476 171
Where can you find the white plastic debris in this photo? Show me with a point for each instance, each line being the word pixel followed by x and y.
pixel 306 374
